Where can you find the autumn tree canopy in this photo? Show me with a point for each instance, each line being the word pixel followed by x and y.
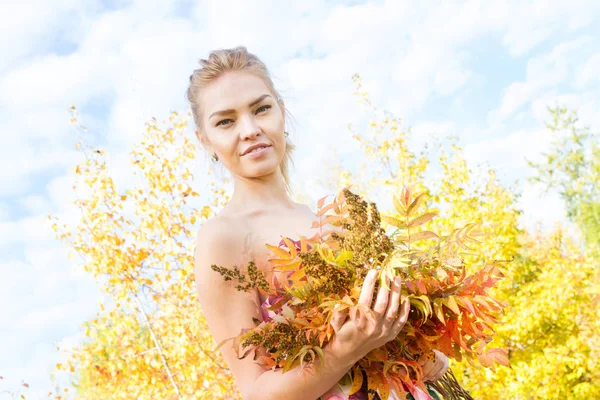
pixel 151 341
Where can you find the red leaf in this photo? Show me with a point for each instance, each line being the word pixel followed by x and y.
pixel 411 286
pixel 421 286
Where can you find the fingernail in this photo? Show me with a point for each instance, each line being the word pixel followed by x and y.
pixel 398 280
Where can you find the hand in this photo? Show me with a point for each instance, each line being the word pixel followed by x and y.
pixel 358 332
pixel 436 368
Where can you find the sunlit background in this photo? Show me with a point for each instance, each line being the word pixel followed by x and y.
pixel 484 71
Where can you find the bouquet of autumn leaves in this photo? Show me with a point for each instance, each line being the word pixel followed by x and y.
pixel 451 311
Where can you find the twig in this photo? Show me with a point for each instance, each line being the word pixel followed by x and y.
pixel 159 348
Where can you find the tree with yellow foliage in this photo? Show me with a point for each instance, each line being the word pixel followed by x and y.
pixel 551 327
pixel 152 341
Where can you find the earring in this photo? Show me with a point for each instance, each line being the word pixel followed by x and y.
pixel 286 134
pixel 215 157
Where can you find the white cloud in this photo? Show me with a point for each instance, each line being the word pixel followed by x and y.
pixel 587 74
pixel 545 71
pixel 507 153
pixel 528 24
pixel 44 22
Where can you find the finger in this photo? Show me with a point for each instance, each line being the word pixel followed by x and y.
pixel 394 303
pixel 435 372
pixel 444 362
pixel 338 319
pixel 358 316
pixel 402 317
pixel 427 370
pixel 382 298
pixel 366 293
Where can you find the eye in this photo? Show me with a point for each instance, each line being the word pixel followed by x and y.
pixel 221 122
pixel 266 107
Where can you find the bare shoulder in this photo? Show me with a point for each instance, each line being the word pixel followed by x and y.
pixel 219 241
pixel 221 228
pixel 226 309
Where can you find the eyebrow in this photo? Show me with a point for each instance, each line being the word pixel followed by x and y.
pixel 229 111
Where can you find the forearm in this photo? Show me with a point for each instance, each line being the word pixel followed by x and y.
pixel 298 384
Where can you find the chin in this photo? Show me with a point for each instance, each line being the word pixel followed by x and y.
pixel 263 168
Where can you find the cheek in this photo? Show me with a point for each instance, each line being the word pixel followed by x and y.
pixel 223 142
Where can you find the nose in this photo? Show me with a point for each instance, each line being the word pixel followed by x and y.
pixel 249 128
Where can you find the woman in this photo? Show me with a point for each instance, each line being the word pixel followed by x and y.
pixel 240 120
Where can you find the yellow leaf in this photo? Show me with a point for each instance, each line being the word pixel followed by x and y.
pixel 289 267
pixel 291 246
pixel 393 221
pixel 451 303
pixel 384 389
pixel 296 276
pixel 423 235
pixel 439 312
pixel 416 202
pixel 356 382
pixel 279 252
pixel 398 206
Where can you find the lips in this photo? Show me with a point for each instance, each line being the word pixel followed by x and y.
pixel 256 146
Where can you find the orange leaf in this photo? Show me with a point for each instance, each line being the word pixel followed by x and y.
pixel 421 286
pixel 323 210
pixel 356 382
pixel 296 276
pixel 405 195
pixel 384 389
pixel 331 219
pixel 500 356
pixel 291 246
pixel 289 267
pixel 424 235
pixel 303 244
pixel 280 261
pixel 322 337
pixel 466 302
pixel 422 219
pixel 321 202
pixel 451 303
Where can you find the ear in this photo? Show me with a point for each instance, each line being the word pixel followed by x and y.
pixel 205 144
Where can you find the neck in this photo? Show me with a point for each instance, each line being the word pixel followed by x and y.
pixel 258 194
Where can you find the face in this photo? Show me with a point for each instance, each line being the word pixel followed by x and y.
pixel 238 112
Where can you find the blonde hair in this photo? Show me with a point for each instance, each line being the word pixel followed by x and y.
pixel 222 61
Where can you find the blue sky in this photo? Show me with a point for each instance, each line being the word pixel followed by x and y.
pixel 482 70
